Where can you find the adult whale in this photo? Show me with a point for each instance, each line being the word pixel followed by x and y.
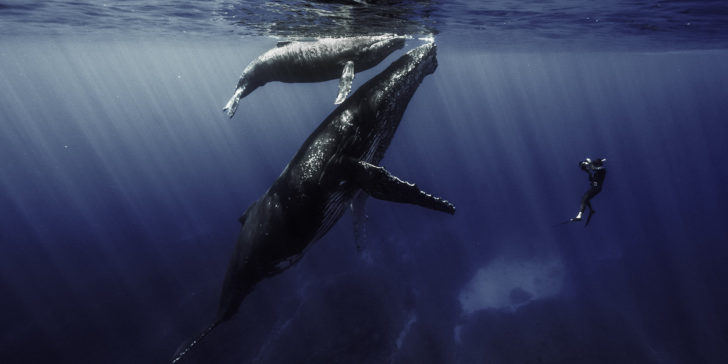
pixel 337 162
pixel 316 61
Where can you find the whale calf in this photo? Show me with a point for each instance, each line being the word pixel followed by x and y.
pixel 315 61
pixel 338 161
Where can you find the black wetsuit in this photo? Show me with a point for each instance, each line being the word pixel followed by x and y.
pixel 596 179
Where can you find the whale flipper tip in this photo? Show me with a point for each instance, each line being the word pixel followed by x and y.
pixel 232 104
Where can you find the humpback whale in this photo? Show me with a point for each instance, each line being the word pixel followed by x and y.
pixel 338 161
pixel 315 61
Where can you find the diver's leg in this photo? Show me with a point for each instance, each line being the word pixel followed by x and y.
pixel 591 212
pixel 582 206
pixel 593 192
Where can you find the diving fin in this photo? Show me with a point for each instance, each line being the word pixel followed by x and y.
pixel 563 222
pixel 347 77
pixel 380 184
pixel 591 213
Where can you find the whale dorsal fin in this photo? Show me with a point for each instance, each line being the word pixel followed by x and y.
pixel 347 77
pixel 244 217
pixel 380 184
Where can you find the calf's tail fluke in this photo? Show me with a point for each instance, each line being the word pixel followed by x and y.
pixel 186 347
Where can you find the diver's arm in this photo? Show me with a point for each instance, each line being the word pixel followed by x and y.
pixel 586 167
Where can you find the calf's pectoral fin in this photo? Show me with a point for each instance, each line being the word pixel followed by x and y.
pixel 380 184
pixel 347 77
pixel 232 105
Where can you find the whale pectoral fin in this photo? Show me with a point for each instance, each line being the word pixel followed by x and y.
pixel 359 218
pixel 232 104
pixel 347 77
pixel 380 184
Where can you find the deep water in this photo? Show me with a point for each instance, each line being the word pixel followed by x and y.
pixel 121 182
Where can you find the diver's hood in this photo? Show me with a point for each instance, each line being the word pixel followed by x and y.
pixel 597 163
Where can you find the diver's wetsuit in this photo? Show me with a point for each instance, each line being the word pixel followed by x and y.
pixel 596 179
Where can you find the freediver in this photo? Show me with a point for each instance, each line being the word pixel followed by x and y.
pixel 597 172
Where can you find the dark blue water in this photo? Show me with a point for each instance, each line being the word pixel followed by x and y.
pixel 121 182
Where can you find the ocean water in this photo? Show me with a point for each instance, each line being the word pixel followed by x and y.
pixel 121 182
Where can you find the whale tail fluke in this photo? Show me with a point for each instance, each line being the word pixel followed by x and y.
pixel 232 104
pixel 189 345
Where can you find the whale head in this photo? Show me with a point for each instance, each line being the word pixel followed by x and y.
pixel 424 58
pixel 396 85
pixel 388 43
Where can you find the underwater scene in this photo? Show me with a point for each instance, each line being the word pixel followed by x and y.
pixel 538 181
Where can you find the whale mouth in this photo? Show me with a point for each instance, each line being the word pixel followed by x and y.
pixel 430 38
pixel 396 42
